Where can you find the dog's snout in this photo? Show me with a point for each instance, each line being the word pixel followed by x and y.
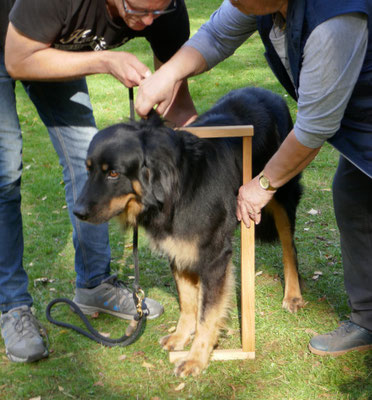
pixel 81 211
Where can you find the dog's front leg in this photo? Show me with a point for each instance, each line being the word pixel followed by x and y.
pixel 214 301
pixel 187 286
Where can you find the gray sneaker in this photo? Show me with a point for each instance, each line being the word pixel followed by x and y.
pixel 21 333
pixel 113 297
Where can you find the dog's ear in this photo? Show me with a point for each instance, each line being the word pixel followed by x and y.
pixel 160 174
pixel 160 179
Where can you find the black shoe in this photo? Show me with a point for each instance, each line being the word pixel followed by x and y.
pixel 347 337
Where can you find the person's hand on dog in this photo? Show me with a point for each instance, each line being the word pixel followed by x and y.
pixel 251 200
pixel 157 89
pixel 127 68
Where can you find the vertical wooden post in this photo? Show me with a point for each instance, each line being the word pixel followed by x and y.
pixel 247 263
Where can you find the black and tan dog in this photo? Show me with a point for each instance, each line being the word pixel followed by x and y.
pixel 182 190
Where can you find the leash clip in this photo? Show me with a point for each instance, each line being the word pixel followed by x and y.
pixel 140 295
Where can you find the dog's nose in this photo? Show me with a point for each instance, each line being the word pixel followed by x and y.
pixel 80 211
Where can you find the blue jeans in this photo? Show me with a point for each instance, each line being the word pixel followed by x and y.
pixel 66 111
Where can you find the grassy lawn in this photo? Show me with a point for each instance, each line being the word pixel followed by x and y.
pixel 283 369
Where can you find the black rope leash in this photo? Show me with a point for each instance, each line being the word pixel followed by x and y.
pixel 133 330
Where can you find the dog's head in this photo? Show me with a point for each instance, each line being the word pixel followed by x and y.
pixel 132 170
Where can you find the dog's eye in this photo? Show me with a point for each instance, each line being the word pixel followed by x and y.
pixel 112 174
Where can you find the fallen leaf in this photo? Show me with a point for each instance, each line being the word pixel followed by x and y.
pixel 172 329
pixel 259 273
pixel 315 277
pixel 318 273
pixel 95 315
pixel 122 357
pixel 60 388
pixel 147 365
pixel 311 332
pixel 105 334
pixel 98 383
pixel 313 212
pixel 139 353
pixel 180 387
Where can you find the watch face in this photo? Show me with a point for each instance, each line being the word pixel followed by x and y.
pixel 264 182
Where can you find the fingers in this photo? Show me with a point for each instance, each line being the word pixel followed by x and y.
pixel 126 67
pixel 250 201
pixel 156 90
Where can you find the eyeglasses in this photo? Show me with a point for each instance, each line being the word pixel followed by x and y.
pixel 142 13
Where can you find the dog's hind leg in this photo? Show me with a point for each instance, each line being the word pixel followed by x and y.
pixel 293 300
pixel 188 287
pixel 214 301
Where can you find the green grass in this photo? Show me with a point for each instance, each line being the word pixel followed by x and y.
pixel 283 369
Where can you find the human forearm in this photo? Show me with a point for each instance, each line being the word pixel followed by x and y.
pixel 161 87
pixel 182 111
pixel 27 59
pixel 291 158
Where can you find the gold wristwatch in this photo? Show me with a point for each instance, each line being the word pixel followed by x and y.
pixel 265 183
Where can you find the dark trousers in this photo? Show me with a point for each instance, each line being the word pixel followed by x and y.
pixel 352 198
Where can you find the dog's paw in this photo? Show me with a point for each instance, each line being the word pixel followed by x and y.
pixel 189 368
pixel 293 304
pixel 174 342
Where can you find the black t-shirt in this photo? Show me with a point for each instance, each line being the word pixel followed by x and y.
pixel 5 7
pixel 85 25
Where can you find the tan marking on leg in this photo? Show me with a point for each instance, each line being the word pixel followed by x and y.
pixel 188 287
pixel 208 328
pixel 293 300
pixel 184 253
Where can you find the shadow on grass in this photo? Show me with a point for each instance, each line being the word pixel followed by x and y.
pixel 360 387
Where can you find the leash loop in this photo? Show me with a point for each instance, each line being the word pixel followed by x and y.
pixel 134 328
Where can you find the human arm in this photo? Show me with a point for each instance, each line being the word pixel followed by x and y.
pixel 333 57
pixel 29 59
pixel 179 107
pixel 226 30
pixel 290 159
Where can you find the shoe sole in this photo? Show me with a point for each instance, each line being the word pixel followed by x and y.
pixel 89 310
pixel 340 352
pixel 14 358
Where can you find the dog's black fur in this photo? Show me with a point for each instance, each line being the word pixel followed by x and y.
pixel 182 190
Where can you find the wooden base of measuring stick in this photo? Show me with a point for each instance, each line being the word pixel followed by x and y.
pixel 247 252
